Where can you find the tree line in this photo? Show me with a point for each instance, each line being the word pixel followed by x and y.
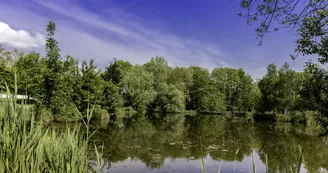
pixel 60 85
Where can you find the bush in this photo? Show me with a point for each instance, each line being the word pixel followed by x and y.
pixel 283 118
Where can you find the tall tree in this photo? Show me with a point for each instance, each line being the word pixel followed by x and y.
pixel 89 87
pixel 113 88
pixel 204 96
pixel 315 88
pixel 138 88
pixel 182 79
pixel 280 89
pixel 288 88
pixel 267 87
pixel 59 78
pixel 53 73
pixel 236 86
pixel 169 98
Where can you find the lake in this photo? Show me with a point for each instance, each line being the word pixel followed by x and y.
pixel 176 143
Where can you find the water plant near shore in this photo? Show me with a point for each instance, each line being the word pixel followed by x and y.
pixel 27 146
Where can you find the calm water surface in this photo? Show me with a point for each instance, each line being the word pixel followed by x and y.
pixel 176 143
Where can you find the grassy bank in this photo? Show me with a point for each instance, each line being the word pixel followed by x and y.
pixel 28 146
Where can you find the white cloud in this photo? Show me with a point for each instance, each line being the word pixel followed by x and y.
pixel 20 38
pixel 123 35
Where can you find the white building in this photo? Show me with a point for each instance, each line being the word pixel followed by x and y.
pixel 6 96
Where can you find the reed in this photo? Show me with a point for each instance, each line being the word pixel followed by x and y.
pixel 27 146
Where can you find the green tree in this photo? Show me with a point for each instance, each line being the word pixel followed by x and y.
pixel 138 88
pixel 30 70
pixel 288 88
pixel 112 98
pixel 255 99
pixel 113 75
pixel 211 100
pixel 116 70
pixel 315 88
pixel 204 97
pixel 267 87
pixel 280 89
pixel 169 98
pixel 236 86
pixel 308 18
pixel 181 78
pixel 160 68
pixel 59 78
pixel 6 76
pixel 89 88
pixel 52 97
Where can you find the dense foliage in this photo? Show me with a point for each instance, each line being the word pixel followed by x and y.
pixel 61 86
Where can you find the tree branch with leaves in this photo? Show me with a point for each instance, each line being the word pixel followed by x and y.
pixel 308 18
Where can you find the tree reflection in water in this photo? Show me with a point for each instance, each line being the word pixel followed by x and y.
pixel 160 141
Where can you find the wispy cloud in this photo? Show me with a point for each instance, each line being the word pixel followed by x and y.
pixel 20 38
pixel 126 36
pixel 113 32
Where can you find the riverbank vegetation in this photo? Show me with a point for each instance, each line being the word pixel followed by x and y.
pixel 28 146
pixel 60 87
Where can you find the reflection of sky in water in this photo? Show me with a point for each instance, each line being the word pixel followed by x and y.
pixel 187 166
pixel 190 166
pixel 159 146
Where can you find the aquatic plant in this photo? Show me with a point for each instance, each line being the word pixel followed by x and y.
pixel 27 146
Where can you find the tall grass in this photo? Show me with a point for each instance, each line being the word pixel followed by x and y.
pixel 27 146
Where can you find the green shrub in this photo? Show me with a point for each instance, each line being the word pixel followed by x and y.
pixel 283 118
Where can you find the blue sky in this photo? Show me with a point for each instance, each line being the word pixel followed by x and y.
pixel 206 33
